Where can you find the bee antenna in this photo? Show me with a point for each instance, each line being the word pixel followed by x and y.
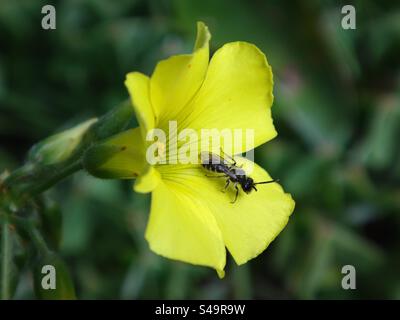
pixel 265 182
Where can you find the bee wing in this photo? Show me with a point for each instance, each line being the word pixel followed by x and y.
pixel 239 171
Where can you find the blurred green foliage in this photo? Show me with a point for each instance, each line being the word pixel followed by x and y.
pixel 337 111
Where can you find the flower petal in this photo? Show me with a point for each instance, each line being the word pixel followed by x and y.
pixel 236 94
pixel 176 79
pixel 121 156
pixel 138 86
pixel 148 180
pixel 256 219
pixel 181 227
pixel 250 224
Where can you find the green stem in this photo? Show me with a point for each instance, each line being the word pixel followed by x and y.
pixel 32 180
pixel 6 249
pixel 38 241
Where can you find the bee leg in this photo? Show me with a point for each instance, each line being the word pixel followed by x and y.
pixel 226 185
pixel 237 192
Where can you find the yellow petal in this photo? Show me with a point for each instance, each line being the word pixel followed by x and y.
pixel 176 79
pixel 121 156
pixel 250 224
pixel 181 227
pixel 148 180
pixel 236 94
pixel 138 86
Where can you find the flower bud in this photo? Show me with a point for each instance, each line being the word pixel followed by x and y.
pixel 60 146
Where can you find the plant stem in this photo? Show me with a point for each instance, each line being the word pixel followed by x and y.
pixel 6 249
pixel 32 180
pixel 38 241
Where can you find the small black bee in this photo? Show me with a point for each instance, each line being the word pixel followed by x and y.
pixel 213 162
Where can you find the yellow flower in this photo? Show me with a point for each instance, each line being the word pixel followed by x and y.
pixel 191 220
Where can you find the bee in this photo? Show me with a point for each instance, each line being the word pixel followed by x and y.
pixel 229 169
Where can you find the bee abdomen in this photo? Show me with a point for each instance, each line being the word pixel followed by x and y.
pixel 212 167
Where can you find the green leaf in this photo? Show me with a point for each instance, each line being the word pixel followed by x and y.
pixel 380 145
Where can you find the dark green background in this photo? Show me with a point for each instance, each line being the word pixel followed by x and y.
pixel 337 111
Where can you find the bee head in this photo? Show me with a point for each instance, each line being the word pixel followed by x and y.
pixel 248 185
